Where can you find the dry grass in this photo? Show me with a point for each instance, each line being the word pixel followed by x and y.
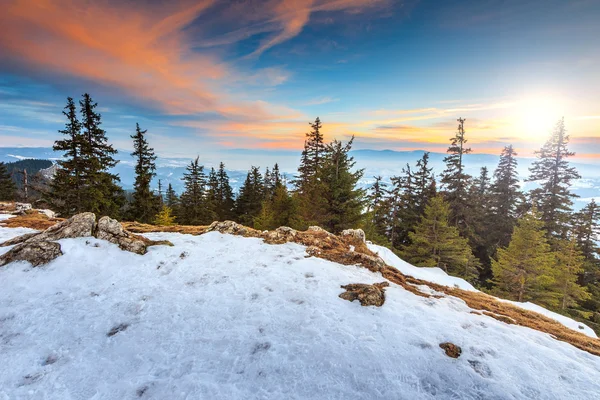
pixel 136 227
pixel 7 206
pixel 32 219
pixel 337 249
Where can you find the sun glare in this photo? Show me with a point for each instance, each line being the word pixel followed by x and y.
pixel 537 116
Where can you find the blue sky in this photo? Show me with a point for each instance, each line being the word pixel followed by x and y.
pixel 207 76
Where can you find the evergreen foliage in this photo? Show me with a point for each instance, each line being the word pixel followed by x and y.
pixel 454 179
pixel 8 189
pixel 344 201
pixel 145 203
pixel 436 243
pixel 83 181
pixel 249 202
pixel 554 175
pixel 570 262
pixel 165 216
pixel 192 209
pixel 524 271
pixel 504 198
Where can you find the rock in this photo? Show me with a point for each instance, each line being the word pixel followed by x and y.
pixel 281 235
pixel 357 234
pixel 228 227
pixel 37 253
pixel 80 225
pixel 19 239
pixel 368 295
pixel 47 213
pixel 22 207
pixel 451 349
pixel 111 230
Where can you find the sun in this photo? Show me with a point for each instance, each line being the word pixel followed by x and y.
pixel 538 115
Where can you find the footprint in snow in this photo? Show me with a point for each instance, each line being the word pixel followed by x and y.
pixel 261 347
pixel 481 368
pixel 116 329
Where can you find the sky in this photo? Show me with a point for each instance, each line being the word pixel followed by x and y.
pixel 208 76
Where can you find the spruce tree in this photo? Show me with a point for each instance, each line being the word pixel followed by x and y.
pixel 212 193
pixel 436 243
pixel 171 199
pixel 309 188
pixel 67 186
pixel 192 209
pixel 504 199
pixel 570 263
pixel 226 202
pixel 278 206
pixel 378 212
pixel 145 204
pixel 8 189
pixel 344 200
pixel 424 184
pixel 249 202
pixel 165 216
pixel 454 179
pixel 587 233
pixel 554 175
pixel 100 192
pixel 524 271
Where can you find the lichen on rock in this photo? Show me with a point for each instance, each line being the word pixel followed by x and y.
pixel 37 253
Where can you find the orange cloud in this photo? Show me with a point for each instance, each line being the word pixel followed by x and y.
pixel 139 50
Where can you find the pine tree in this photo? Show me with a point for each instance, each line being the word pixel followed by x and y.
pixel 587 233
pixel 172 201
pixel 212 193
pixel 455 180
pixel 225 203
pixel 309 188
pixel 145 204
pixel 436 243
pixel 312 156
pixel 378 212
pixel 249 202
pixel 8 189
pixel 479 228
pixel 164 217
pixel 66 189
pixel 404 215
pixel 504 198
pixel 554 175
pixel 570 262
pixel 424 184
pixel 344 201
pixel 524 270
pixel 193 210
pixel 100 192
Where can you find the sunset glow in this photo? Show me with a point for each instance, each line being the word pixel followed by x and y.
pixel 252 74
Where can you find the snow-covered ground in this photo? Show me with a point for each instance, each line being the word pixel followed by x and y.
pixel 436 275
pixel 225 317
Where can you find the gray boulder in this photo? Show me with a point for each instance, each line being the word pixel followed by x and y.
pixel 111 230
pixel 37 253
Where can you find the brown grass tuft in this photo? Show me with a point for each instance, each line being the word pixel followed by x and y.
pixel 32 220
pixel 136 227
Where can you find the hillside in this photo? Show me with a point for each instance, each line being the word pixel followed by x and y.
pixel 223 316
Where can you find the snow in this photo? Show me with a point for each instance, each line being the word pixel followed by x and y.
pixel 436 275
pixel 225 317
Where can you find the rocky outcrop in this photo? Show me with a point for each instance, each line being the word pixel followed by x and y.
pixel 451 349
pixel 80 225
pixel 111 230
pixel 41 248
pixel 355 234
pixel 230 227
pixel 368 295
pixel 37 253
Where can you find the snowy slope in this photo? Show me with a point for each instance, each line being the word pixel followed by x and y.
pixel 436 275
pixel 224 317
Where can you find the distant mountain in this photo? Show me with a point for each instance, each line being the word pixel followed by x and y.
pixel 386 163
